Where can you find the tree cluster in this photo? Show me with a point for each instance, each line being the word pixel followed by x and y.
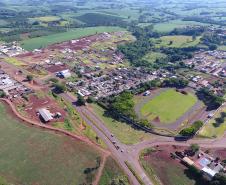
pixel 211 100
pixel 190 131
pixel 175 82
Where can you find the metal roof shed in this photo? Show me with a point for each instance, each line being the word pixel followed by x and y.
pixel 45 114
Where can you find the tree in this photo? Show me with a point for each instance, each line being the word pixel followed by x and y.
pixel 212 47
pixel 145 123
pixel 187 131
pixel 219 179
pixel 90 99
pixel 124 104
pixel 81 101
pixel 59 88
pixel 194 148
pixel 54 80
pixel 2 94
pixel 190 131
pixel 29 78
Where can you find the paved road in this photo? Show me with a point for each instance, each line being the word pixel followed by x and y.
pixel 130 153
pixel 120 154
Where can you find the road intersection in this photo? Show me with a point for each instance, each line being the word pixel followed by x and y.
pixel 130 153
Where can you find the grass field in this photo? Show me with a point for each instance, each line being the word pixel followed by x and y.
pixel 124 132
pixel 41 42
pixel 14 61
pixel 177 41
pixel 168 106
pixel 223 48
pixel 30 155
pixel 212 129
pixel 153 56
pixel 112 173
pixel 46 18
pixel 171 25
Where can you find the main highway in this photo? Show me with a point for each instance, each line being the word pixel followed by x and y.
pixel 130 153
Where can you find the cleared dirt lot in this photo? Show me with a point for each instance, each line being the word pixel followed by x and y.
pixel 163 169
pixel 30 108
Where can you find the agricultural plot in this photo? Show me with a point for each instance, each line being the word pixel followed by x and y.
pixel 166 107
pixel 171 25
pixel 163 169
pixel 216 127
pixel 34 161
pixel 179 41
pixel 99 19
pixel 46 18
pixel 41 42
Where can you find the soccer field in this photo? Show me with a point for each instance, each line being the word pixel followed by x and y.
pixel 168 106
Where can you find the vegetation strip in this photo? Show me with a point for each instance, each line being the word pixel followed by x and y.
pixel 134 173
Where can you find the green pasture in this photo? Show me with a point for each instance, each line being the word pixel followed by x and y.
pixel 178 41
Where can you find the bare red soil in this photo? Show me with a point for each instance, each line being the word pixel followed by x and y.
pixel 35 103
pixel 56 68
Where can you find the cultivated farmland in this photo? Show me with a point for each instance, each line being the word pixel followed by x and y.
pixel 44 41
pixel 163 169
pixel 33 156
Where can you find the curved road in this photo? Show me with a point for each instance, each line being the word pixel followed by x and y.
pixel 123 153
pixel 131 153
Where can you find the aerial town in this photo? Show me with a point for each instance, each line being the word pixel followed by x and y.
pixel 109 92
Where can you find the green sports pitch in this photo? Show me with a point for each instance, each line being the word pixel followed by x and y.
pixel 168 106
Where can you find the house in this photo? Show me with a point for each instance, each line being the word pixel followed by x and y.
pixel 209 173
pixel 45 114
pixel 188 161
pixel 147 93
pixel 64 74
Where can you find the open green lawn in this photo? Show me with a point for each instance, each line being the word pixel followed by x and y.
pixel 112 173
pixel 168 106
pixel 212 129
pixel 153 56
pixel 31 155
pixel 41 42
pixel 124 132
pixel 177 41
pixel 171 25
